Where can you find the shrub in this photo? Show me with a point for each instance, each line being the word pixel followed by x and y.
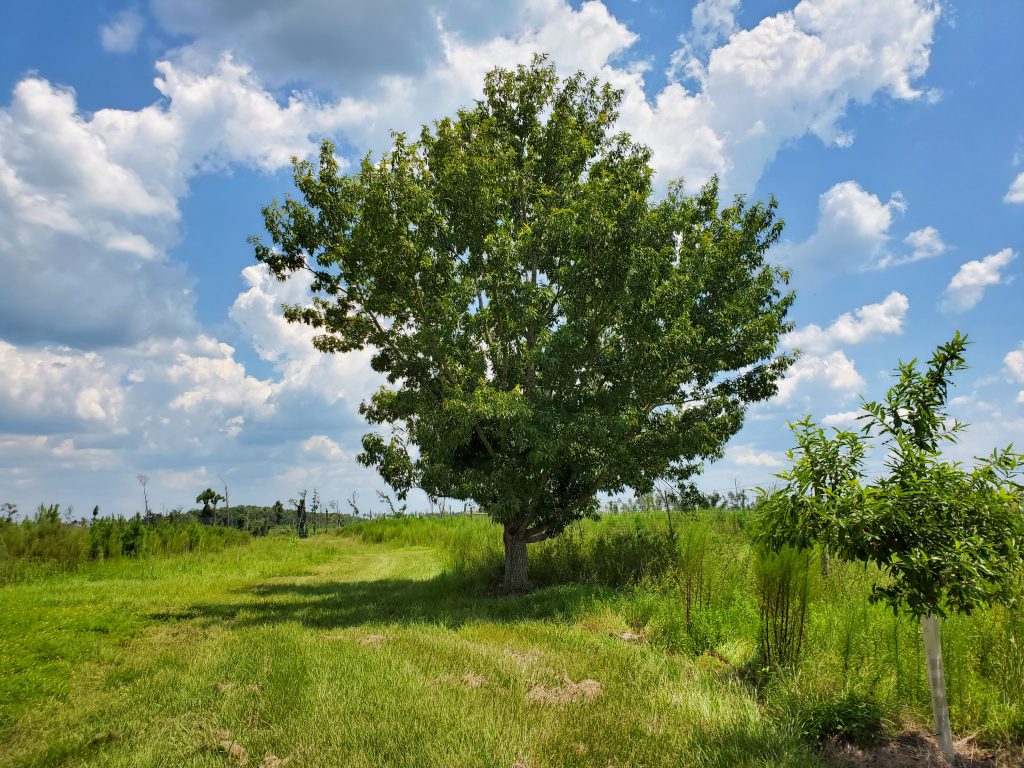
pixel 851 718
pixel 43 539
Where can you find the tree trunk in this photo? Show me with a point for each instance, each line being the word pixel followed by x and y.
pixel 300 519
pixel 515 561
pixel 937 683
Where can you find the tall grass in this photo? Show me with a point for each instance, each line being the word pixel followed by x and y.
pixel 783 590
pixel 701 588
pixel 45 544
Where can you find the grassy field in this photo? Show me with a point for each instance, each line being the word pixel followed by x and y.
pixel 376 649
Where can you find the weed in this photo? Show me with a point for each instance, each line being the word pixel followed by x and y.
pixel 850 718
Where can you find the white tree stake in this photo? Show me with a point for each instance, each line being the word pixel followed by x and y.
pixel 937 683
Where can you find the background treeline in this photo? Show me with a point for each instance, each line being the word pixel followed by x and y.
pixel 46 542
pixel 50 540
pixel 55 539
pixel 279 518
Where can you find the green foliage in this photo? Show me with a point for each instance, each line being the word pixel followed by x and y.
pixel 613 555
pixel 547 331
pixel 117 537
pixel 45 543
pixel 851 718
pixel 822 468
pixel 44 539
pixel 783 583
pixel 209 498
pixel 949 538
pixel 262 520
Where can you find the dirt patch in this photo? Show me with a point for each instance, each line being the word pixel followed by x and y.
pixel 273 761
pixel 226 743
pixel 910 749
pixel 629 637
pixel 524 657
pixel 104 738
pixel 472 680
pixel 371 639
pixel 224 687
pixel 584 690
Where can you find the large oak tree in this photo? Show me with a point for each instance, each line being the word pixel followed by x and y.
pixel 549 329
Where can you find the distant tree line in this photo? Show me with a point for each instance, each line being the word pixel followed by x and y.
pixel 51 540
pixel 685 498
pixel 256 520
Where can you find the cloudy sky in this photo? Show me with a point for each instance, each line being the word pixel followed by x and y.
pixel 139 141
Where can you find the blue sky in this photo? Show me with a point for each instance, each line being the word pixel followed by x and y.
pixel 139 141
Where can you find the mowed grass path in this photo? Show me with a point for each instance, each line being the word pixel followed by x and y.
pixel 334 652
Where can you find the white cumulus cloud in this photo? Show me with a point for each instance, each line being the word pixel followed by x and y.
pixel 925 244
pixel 834 370
pixel 216 377
pixel 749 456
pixel 968 285
pixel 323 447
pixel 1014 362
pixel 58 386
pixel 289 346
pixel 121 34
pixel 792 74
pixel 1015 194
pixel 863 323
pixel 841 419
pixel 89 202
pixel 854 232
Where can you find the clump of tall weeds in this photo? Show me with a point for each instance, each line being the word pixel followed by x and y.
pixel 783 583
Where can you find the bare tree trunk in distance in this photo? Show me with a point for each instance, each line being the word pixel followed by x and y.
pixel 227 501
pixel 143 481
pixel 300 522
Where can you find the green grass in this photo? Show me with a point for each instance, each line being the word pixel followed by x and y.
pixel 44 545
pixel 141 663
pixel 705 601
pixel 354 650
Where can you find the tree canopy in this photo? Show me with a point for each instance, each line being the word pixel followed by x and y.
pixel 548 329
pixel 209 499
pixel 947 538
pixel 950 538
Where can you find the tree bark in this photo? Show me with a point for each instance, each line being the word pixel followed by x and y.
pixel 515 560
pixel 300 519
pixel 937 684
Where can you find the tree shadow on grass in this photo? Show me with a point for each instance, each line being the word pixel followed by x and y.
pixel 442 601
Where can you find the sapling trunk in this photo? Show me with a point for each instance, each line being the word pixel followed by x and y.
pixel 937 683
